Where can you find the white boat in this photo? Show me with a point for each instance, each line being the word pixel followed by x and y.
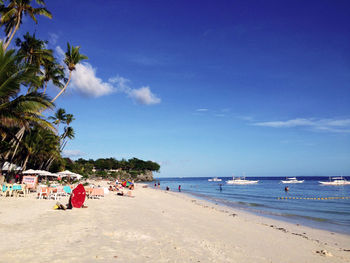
pixel 241 180
pixel 215 179
pixel 336 181
pixel 292 180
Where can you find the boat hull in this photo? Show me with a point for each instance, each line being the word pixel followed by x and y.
pixel 292 182
pixel 238 182
pixel 335 183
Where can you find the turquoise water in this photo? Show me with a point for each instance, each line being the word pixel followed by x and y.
pixel 263 199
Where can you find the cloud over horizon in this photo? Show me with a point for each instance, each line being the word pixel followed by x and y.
pixel 331 125
pixel 72 153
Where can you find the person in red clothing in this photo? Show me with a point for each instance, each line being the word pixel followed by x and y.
pixel 179 188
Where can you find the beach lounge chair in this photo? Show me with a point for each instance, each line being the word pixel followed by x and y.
pixel 22 191
pixel 16 188
pixel 8 190
pixel 67 190
pixel 96 193
pixel 43 192
pixel 57 193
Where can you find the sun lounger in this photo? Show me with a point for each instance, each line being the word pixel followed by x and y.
pixel 43 192
pixel 7 190
pixel 67 190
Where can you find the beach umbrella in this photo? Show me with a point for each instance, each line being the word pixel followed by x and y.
pixel 10 167
pixel 30 171
pixel 78 196
pixel 70 174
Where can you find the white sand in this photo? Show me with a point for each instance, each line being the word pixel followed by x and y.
pixel 155 226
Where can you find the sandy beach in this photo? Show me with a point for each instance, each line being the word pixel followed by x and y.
pixel 156 226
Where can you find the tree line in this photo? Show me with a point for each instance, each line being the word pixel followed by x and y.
pixel 134 164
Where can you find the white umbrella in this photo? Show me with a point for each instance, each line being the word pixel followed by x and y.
pixel 46 173
pixel 10 166
pixel 71 174
pixel 30 171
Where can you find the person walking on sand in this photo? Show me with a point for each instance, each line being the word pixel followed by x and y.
pixel 158 184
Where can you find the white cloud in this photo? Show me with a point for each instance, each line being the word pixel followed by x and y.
pixel 202 110
pixel 144 96
pixel 332 125
pixel 53 38
pixel 122 84
pixel 84 80
pixel 61 54
pixel 72 153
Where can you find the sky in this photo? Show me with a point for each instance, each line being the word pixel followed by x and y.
pixel 208 88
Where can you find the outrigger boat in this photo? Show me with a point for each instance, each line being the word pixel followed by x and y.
pixel 241 180
pixel 336 181
pixel 292 180
pixel 215 179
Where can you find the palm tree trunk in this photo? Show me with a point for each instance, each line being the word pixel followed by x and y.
pixel 65 87
pixel 25 162
pixel 45 87
pixel 14 142
pixel 8 41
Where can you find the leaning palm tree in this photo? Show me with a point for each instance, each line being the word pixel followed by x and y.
pixel 73 57
pixel 12 15
pixel 67 134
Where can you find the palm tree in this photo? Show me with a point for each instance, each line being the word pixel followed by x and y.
pixel 12 15
pixel 59 117
pixel 33 50
pixel 23 109
pixel 18 110
pixel 38 146
pixel 73 57
pixel 69 119
pixel 54 72
pixel 67 134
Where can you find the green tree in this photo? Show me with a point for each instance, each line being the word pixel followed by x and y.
pixel 73 57
pixel 12 15
pixel 34 51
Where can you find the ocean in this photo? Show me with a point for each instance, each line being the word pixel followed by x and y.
pixel 329 208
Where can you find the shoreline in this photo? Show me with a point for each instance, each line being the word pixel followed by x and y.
pixel 156 226
pixel 282 225
pixel 299 221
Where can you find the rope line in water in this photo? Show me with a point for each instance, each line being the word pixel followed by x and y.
pixel 313 198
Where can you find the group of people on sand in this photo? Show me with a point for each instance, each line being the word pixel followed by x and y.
pixel 121 186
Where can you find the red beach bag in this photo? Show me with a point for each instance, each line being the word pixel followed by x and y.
pixel 78 196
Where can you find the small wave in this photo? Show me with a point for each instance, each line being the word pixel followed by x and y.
pixel 251 204
pixel 317 219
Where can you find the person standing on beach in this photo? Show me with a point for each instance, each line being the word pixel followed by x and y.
pixel 158 184
pixel 155 185
pixel 179 188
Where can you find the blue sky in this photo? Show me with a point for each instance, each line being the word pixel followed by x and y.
pixel 208 87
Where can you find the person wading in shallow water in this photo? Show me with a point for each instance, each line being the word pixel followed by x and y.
pixel 179 188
